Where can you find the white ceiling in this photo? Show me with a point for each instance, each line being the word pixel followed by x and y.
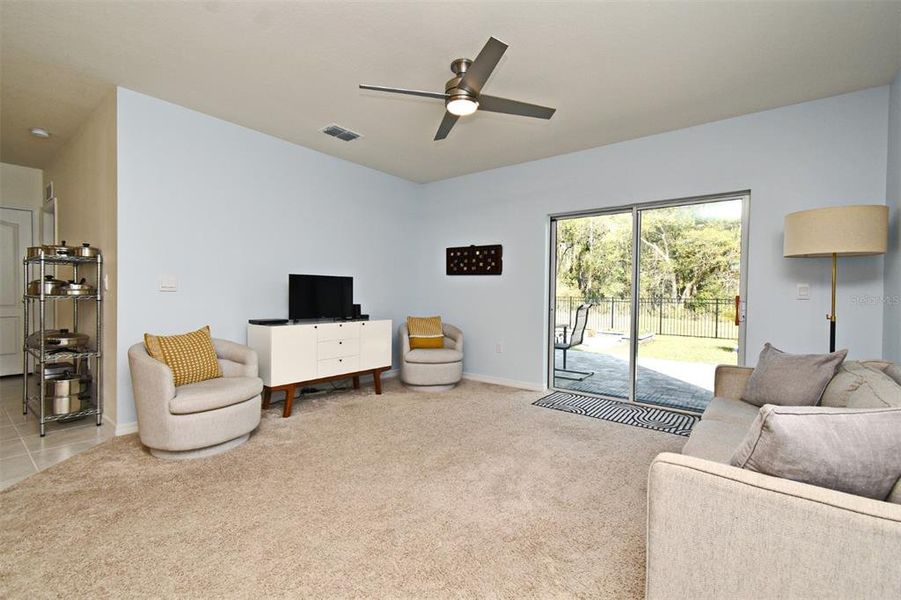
pixel 615 71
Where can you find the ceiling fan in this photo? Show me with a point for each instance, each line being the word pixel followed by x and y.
pixel 463 93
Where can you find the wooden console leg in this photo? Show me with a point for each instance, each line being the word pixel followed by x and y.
pixel 377 379
pixel 267 396
pixel 356 380
pixel 289 401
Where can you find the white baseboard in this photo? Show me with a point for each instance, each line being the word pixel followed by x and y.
pixel 391 373
pixel 121 428
pixel 126 428
pixel 522 385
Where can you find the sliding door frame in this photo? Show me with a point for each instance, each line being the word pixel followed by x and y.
pixel 636 210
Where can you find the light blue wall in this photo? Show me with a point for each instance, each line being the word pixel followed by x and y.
pixel 892 308
pixel 230 212
pixel 822 153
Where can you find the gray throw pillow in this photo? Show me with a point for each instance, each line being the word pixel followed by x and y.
pixel 868 383
pixel 790 379
pixel 877 390
pixel 857 451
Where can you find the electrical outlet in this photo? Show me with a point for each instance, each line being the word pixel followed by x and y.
pixel 499 348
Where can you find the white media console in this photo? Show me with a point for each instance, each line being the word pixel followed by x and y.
pixel 293 355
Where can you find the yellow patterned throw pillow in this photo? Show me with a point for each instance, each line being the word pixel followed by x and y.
pixel 191 356
pixel 425 332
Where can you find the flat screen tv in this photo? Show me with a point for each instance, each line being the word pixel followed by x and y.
pixel 320 297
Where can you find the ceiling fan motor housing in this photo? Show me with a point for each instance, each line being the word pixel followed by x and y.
pixel 452 87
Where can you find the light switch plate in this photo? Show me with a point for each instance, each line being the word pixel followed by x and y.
pixel 168 283
pixel 803 291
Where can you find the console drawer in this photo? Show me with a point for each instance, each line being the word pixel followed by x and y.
pixel 337 366
pixel 337 331
pixel 338 348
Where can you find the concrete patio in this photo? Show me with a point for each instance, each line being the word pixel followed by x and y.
pixel 611 379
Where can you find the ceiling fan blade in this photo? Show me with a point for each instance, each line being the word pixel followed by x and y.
pixel 446 124
pixel 514 107
pixel 380 88
pixel 480 69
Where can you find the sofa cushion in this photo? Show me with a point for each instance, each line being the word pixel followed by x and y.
pixel 791 379
pixel 854 451
pixel 852 377
pixel 714 440
pixel 895 495
pixel 729 410
pixel 433 356
pixel 214 393
pixel 894 371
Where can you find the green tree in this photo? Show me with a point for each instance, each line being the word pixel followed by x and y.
pixel 687 253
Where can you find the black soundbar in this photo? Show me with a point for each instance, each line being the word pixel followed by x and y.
pixel 267 321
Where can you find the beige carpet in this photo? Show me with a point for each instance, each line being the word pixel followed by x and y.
pixel 471 493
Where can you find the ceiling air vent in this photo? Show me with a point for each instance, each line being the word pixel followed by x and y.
pixel 341 133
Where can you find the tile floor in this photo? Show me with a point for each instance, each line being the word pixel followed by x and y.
pixel 23 451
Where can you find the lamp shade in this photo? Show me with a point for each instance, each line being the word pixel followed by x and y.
pixel 844 230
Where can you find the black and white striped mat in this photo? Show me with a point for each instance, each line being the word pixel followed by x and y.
pixel 620 412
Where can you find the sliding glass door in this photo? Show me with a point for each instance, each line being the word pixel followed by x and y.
pixel 647 300
pixel 592 308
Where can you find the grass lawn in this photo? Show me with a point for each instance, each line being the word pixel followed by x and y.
pixel 687 349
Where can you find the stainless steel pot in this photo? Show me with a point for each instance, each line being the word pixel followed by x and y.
pixel 78 289
pixel 49 250
pixel 57 339
pixel 62 405
pixel 85 251
pixel 69 384
pixel 58 369
pixel 52 286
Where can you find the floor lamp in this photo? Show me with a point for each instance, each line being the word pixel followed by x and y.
pixel 838 231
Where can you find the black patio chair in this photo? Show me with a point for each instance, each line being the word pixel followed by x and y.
pixel 575 339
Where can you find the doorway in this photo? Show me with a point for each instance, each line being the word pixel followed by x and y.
pixel 647 300
pixel 16 235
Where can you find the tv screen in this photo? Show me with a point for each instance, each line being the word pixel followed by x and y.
pixel 320 297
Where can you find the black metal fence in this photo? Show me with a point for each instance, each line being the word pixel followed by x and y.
pixel 660 316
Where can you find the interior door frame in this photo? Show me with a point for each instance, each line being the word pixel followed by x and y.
pixel 636 209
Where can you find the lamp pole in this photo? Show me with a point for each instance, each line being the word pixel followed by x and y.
pixel 831 316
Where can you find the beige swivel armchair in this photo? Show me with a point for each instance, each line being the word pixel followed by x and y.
pixel 197 419
pixel 432 369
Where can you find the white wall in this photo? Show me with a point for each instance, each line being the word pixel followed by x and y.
pixel 892 308
pixel 230 212
pixel 822 153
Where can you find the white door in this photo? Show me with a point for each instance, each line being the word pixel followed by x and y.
pixel 16 231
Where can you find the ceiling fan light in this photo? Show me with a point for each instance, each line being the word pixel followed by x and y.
pixel 462 106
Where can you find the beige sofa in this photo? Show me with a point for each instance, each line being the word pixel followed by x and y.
pixel 432 369
pixel 717 531
pixel 198 419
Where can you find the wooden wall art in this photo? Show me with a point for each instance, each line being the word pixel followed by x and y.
pixel 475 260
